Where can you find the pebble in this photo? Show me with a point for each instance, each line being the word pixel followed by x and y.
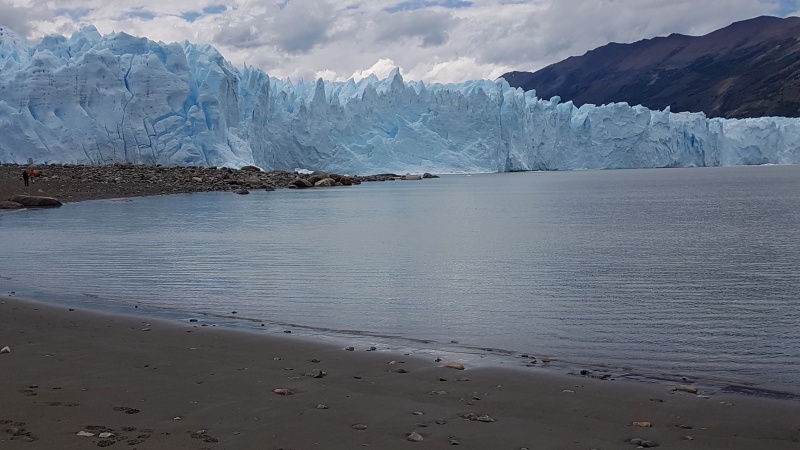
pixel 314 360
pixel 454 365
pixel 643 424
pixel 321 406
pixel 440 421
pixel 687 438
pixel 418 413
pixel 349 349
pixel 685 388
pixel 401 370
pixel 105 434
pixel 282 391
pixel 642 443
pixel 84 433
pixel 477 418
pixel 454 441
pixel 437 393
pixel 372 349
pixel 316 373
pixel 414 437
pixel 5 349
pixel 359 426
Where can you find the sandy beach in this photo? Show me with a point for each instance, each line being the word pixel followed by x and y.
pixel 76 379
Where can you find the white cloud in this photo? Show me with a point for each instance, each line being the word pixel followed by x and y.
pixel 442 40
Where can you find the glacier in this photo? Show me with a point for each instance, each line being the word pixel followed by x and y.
pixel 94 99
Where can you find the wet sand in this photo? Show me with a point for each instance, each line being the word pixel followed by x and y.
pixel 156 384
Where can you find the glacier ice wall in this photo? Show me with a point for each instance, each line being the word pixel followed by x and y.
pixel 96 99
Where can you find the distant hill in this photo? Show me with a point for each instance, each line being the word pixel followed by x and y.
pixel 747 69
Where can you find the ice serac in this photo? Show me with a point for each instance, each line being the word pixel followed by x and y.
pixel 96 99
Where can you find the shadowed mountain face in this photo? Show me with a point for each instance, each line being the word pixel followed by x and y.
pixel 747 69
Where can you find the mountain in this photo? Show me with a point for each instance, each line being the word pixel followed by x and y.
pixel 747 69
pixel 96 99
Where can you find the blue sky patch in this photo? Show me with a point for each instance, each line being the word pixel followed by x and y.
pixel 191 16
pixel 785 7
pixel 215 9
pixel 411 5
pixel 141 14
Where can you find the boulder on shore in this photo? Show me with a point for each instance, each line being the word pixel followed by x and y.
pixel 300 183
pixel 325 182
pixel 11 205
pixel 32 201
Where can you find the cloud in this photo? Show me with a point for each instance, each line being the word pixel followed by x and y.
pixel 301 25
pixel 22 19
pixel 432 40
pixel 380 69
pixel 430 27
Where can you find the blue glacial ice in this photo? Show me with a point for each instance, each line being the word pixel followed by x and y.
pixel 95 99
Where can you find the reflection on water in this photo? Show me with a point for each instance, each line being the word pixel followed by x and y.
pixel 669 271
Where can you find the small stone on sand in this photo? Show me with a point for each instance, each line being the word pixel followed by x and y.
pixel 454 365
pixel 685 388
pixel 414 437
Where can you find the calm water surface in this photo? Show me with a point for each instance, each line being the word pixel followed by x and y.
pixel 671 272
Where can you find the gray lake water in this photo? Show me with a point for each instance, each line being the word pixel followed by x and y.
pixel 667 272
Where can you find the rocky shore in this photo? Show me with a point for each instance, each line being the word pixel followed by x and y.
pixel 70 183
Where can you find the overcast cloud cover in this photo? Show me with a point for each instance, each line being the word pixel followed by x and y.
pixel 430 40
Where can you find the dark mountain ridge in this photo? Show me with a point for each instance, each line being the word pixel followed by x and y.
pixel 747 69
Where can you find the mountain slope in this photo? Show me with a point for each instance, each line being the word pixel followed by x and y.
pixel 747 69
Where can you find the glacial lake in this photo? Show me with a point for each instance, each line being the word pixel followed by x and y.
pixel 653 274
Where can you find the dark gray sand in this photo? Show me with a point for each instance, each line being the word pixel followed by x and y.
pixel 75 379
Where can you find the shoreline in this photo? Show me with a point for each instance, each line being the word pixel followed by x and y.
pixel 156 383
pixel 73 182
pixel 476 356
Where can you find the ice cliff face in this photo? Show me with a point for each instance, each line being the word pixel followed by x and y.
pixel 96 99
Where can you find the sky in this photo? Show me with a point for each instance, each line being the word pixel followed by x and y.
pixel 430 40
